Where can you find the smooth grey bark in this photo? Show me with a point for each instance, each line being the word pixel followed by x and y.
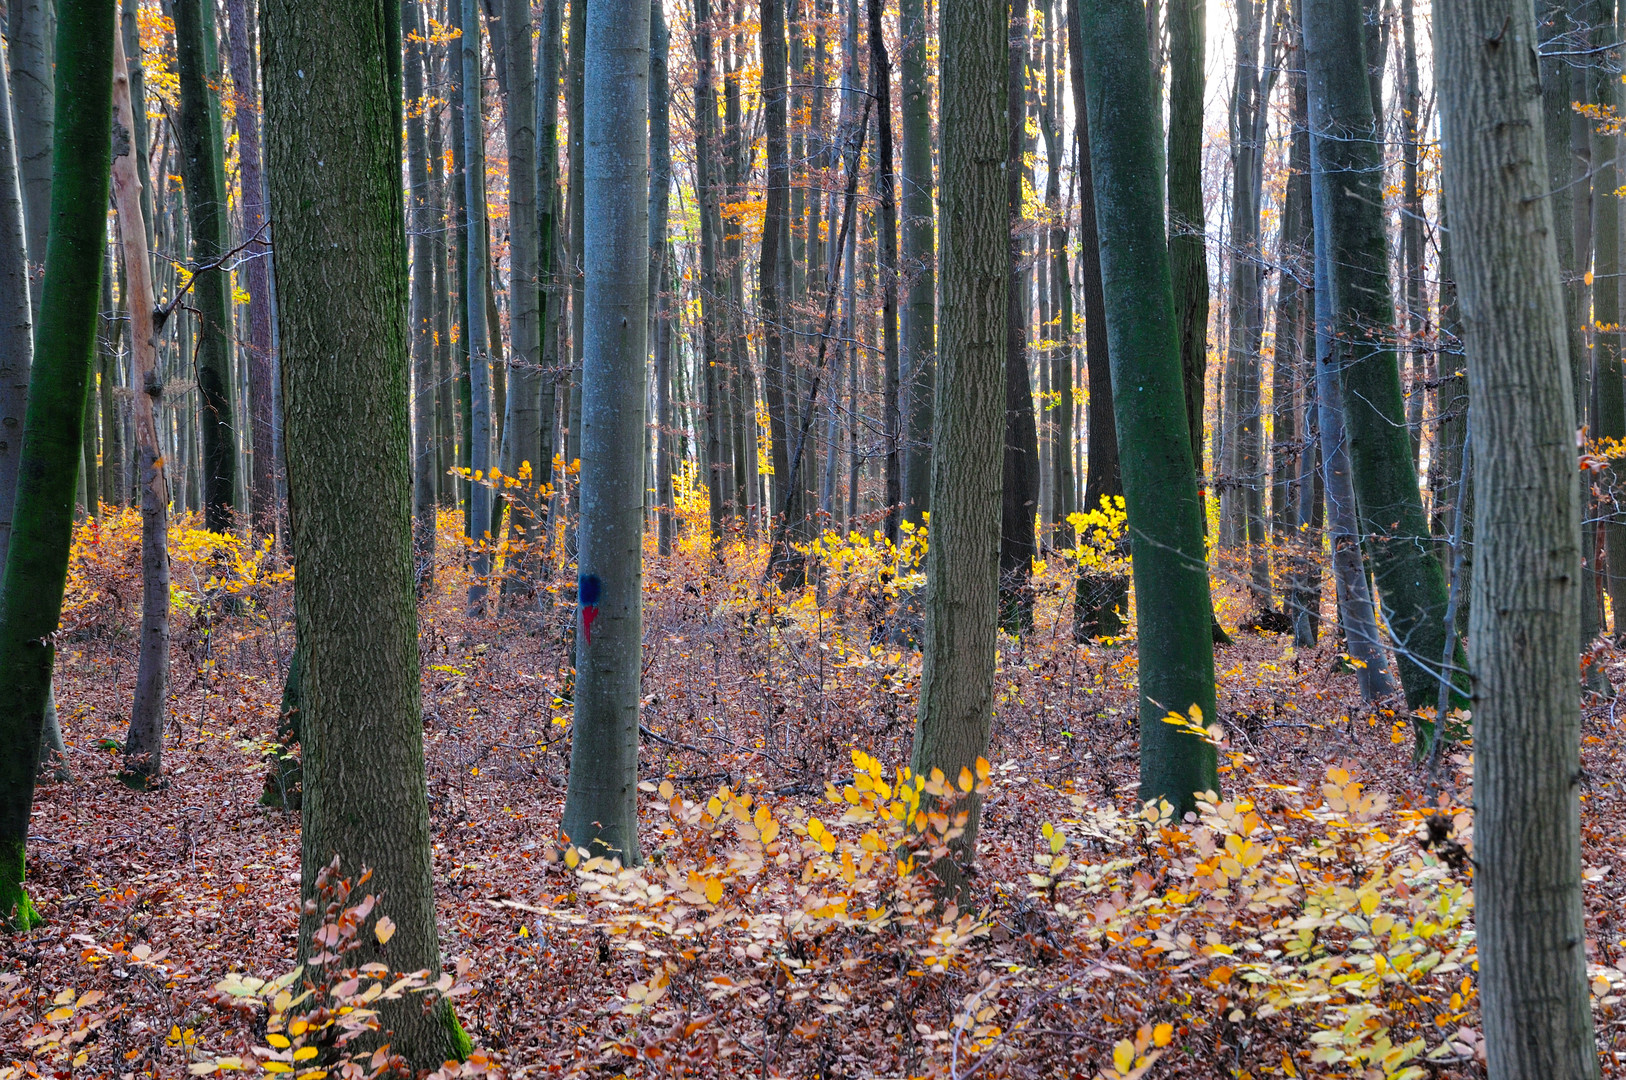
pixel 1527 723
pixel 33 105
pixel 550 239
pixel 16 317
pixel 144 745
pixel 918 359
pixel 573 94
pixel 962 561
pixel 522 431
pixel 479 345
pixel 660 292
pixel 601 804
pixel 420 229
pixel 714 459
pixel 130 28
pixel 330 97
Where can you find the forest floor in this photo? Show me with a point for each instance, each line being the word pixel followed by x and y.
pixel 1316 923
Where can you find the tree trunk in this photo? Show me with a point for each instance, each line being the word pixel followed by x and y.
pixel 660 292
pixel 329 98
pixel 144 745
pixel 1527 722
pixel 479 347
pixel 203 171
pixel 1347 191
pixel 601 806
pixel 552 315
pixel 256 267
pixel 917 363
pixel 16 318
pixel 33 103
pixel 772 284
pixel 885 185
pixel 1412 223
pixel 36 566
pixel 578 34
pixel 1062 486
pixel 705 119
pixel 1188 32
pixel 1160 477
pixel 962 561
pixel 1020 499
pixel 420 228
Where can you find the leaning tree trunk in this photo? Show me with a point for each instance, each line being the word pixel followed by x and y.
pixel 256 268
pixel 601 805
pixel 478 281
pixel 36 568
pixel 917 363
pixel 962 561
pixel 1159 474
pixel 1346 187
pixel 205 180
pixel 144 746
pixel 329 97
pixel 1527 722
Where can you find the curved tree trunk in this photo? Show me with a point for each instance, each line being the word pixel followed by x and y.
pixel 1160 477
pixel 329 97
pixel 601 806
pixel 36 566
pixel 1527 722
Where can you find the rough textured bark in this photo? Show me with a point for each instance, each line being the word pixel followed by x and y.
pixel 1347 191
pixel 917 363
pixel 1527 723
pixel 33 103
pixel 962 561
pixel 420 228
pixel 36 566
pixel 1159 474
pixel 342 311
pixel 256 268
pixel 601 805
pixel 204 175
pixel 1020 491
pixel 478 281
pixel 144 745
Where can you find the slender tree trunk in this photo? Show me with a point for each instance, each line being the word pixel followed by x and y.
pixel 1062 485
pixel 705 195
pixel 578 42
pixel 459 277
pixel 144 745
pixel 1411 230
pixel 1347 191
pixel 256 267
pixel 1608 363
pixel 1017 546
pixel 552 316
pixel 16 318
pixel 601 806
pixel 771 282
pixel 522 433
pixel 329 97
pixel 962 562
pixel 660 292
pixel 886 186
pixel 1527 722
pixel 130 28
pixel 1188 31
pixel 1160 477
pixel 479 347
pixel 33 103
pixel 917 363
pixel 420 229
pixel 203 171
pixel 36 566
pixel 114 480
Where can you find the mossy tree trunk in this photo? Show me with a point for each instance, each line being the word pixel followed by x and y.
pixel 42 519
pixel 330 97
pixel 1160 478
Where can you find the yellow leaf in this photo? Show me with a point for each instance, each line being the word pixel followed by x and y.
pixel 278 1041
pixel 1123 1055
pixel 572 857
pixel 384 929
pixel 982 768
pixel 714 890
pixel 965 780
pixel 1162 1034
pixel 277 1067
pixel 305 1053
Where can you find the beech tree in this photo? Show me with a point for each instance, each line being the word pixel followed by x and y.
pixel 48 468
pixel 1159 474
pixel 1527 723
pixel 917 363
pixel 330 98
pixel 601 809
